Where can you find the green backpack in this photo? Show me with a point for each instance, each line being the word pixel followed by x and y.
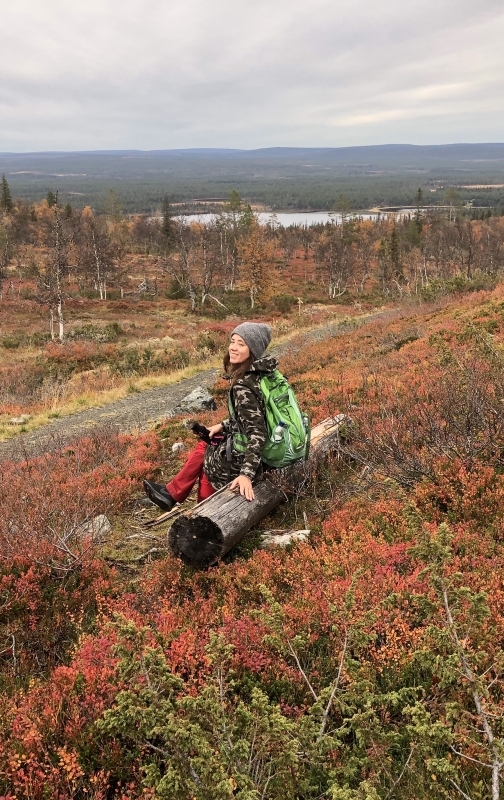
pixel 288 428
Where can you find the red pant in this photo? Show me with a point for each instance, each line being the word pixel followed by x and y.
pixel 180 486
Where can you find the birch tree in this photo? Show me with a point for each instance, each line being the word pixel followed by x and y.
pixel 209 246
pixel 181 262
pixel 54 271
pixel 232 224
pixel 336 255
pixel 96 252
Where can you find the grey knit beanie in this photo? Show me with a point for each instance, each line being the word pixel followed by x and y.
pixel 257 335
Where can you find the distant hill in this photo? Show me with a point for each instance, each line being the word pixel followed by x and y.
pixel 280 177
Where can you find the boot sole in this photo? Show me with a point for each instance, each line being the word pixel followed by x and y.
pixel 156 498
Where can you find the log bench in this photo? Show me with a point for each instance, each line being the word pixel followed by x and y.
pixel 204 534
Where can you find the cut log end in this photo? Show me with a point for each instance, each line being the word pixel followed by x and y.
pixel 197 541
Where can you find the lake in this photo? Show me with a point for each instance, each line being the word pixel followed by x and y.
pixel 302 218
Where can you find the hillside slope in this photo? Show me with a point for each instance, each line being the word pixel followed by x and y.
pixel 365 663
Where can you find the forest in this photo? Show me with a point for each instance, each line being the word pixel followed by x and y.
pixel 279 178
pixel 365 663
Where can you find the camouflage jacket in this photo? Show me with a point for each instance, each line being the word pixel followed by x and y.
pixel 249 412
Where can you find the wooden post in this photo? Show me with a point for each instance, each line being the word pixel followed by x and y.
pixel 202 536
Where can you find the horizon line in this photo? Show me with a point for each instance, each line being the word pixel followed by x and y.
pixel 231 150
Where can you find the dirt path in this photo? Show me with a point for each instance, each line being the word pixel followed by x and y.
pixel 141 411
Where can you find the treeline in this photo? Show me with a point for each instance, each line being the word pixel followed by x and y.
pixel 280 193
pixel 63 250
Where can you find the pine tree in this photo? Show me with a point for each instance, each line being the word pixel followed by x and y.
pixel 234 204
pixel 240 215
pixel 383 261
pixel 113 206
pixel 6 203
pixel 167 224
pixel 246 218
pixel 258 267
pixel 418 211
pixel 343 206
pixel 389 259
pixel 395 255
pixel 52 199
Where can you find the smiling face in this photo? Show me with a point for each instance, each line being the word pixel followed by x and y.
pixel 239 350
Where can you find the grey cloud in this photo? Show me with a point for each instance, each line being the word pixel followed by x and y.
pixel 232 73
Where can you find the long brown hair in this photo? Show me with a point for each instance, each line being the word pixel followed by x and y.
pixel 238 371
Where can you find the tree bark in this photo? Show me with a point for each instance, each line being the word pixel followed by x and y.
pixel 201 537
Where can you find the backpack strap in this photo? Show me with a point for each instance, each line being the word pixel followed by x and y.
pixel 229 455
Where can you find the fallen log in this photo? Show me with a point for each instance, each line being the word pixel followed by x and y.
pixel 203 535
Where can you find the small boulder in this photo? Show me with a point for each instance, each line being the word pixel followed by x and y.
pixel 199 399
pixel 144 502
pixel 96 529
pixel 282 538
pixel 177 447
pixel 21 420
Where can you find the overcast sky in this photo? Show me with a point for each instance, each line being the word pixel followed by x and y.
pixel 160 74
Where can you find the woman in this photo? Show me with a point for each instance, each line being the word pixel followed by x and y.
pixel 220 463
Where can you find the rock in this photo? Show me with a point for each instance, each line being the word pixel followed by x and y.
pixel 177 447
pixel 198 400
pixel 145 502
pixel 96 528
pixel 21 420
pixel 282 538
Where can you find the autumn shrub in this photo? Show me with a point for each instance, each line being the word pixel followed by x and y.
pixel 209 342
pixel 46 499
pixel 134 361
pixel 458 284
pixel 12 342
pixel 49 576
pixel 109 333
pixel 179 358
pixel 28 383
pixel 43 613
pixel 337 675
pixel 237 302
pixel 451 410
pixel 22 339
pixel 21 384
pixel 28 293
pixel 175 291
pixel 80 384
pixel 62 360
pixel 129 361
pixel 283 302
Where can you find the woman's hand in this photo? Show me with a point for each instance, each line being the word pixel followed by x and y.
pixel 215 429
pixel 244 486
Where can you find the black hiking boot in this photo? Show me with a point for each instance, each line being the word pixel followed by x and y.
pixel 158 494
